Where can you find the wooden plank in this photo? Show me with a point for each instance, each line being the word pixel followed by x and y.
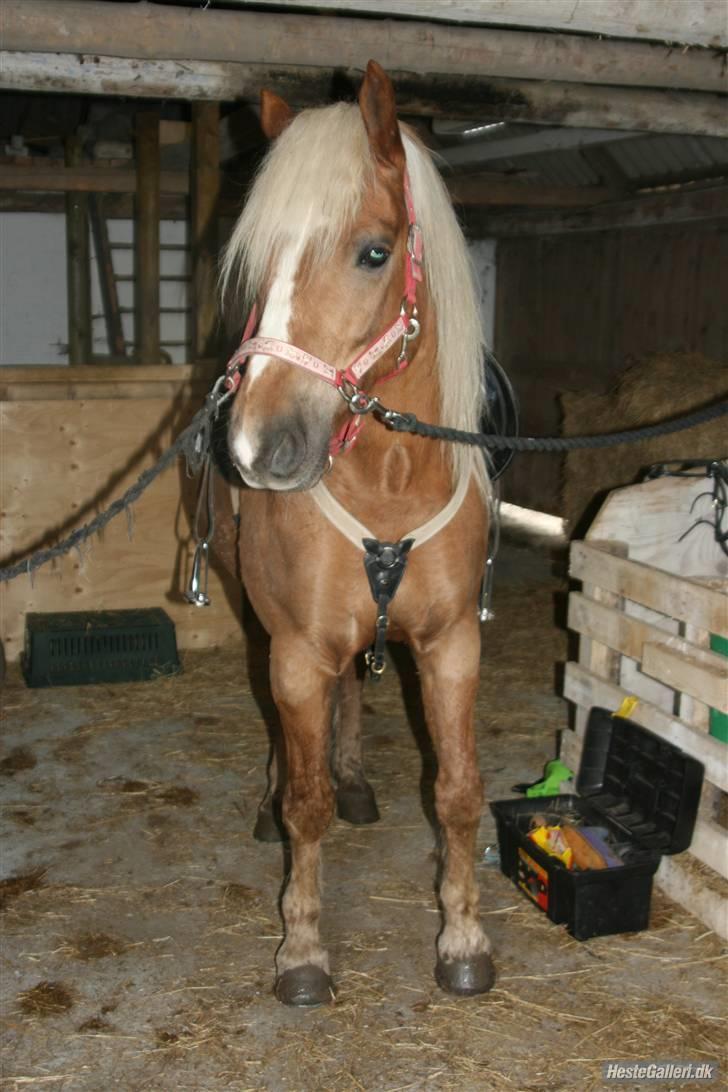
pixel 696 207
pixel 473 190
pixel 682 879
pixel 64 461
pixel 419 92
pixel 204 206
pixel 41 374
pixel 152 33
pixel 78 264
pixel 700 22
pixel 146 318
pixel 614 628
pixel 683 666
pixel 107 280
pixel 710 845
pixel 443 96
pixel 680 597
pixel 585 690
pixel 54 178
pixel 594 655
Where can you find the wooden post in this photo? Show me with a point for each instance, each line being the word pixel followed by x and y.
pixel 204 201
pixel 78 265
pixel 107 280
pixel 147 238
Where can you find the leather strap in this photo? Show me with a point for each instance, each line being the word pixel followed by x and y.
pixel 356 532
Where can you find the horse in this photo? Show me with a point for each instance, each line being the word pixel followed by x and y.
pixel 355 271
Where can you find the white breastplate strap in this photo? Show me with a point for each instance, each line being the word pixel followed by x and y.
pixel 355 531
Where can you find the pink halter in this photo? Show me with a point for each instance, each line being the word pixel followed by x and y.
pixel 404 327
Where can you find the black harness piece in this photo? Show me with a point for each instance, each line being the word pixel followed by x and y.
pixel 385 564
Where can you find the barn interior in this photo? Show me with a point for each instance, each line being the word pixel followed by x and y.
pixel 585 145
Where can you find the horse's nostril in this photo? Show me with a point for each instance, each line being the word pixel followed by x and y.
pixel 287 455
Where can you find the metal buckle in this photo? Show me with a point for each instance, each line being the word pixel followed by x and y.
pixel 358 401
pixel 415 244
pixel 412 331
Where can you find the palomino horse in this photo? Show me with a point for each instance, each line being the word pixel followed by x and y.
pixel 350 257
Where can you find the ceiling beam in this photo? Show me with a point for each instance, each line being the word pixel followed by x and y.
pixel 155 32
pixel 697 22
pixel 433 95
pixel 706 206
pixel 473 190
pixel 477 191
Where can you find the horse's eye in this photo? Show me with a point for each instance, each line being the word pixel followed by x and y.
pixel 373 257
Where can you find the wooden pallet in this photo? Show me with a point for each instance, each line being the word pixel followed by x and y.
pixel 647 606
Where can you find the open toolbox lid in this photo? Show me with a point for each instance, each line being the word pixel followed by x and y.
pixel 641 782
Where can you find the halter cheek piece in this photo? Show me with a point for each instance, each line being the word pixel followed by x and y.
pixel 405 327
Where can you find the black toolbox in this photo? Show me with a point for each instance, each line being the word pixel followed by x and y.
pixel 640 789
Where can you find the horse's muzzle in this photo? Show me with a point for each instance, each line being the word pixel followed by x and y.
pixel 286 456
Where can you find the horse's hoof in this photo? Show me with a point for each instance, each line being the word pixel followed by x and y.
pixel 466 977
pixel 356 803
pixel 305 986
pixel 269 826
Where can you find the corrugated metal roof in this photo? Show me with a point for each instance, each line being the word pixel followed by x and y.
pixel 642 160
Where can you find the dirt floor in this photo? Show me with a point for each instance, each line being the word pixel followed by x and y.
pixel 140 917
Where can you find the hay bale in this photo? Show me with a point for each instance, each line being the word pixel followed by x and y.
pixel 653 389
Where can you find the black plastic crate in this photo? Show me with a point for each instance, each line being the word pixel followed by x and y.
pixel 73 647
pixel 644 790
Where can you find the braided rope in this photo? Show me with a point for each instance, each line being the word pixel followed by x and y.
pixel 407 422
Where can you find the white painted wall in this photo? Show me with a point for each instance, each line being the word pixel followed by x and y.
pixel 33 328
pixel 33 293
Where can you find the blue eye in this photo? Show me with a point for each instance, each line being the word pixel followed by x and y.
pixel 373 257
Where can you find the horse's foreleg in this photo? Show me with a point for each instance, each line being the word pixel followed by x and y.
pixel 302 690
pixel 355 801
pixel 449 669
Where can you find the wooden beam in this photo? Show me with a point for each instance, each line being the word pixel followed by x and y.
pixel 586 689
pixel 430 94
pixel 107 280
pixel 474 191
pixel 690 601
pixel 117 206
pixel 153 32
pixel 705 206
pixel 699 22
pixel 78 266
pixel 88 179
pixel 147 238
pixel 204 208
pixel 471 190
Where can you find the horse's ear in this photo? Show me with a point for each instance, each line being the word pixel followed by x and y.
pixel 379 111
pixel 275 114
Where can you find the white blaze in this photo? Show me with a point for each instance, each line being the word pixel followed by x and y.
pixel 274 322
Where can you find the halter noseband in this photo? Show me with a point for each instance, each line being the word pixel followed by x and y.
pixel 405 327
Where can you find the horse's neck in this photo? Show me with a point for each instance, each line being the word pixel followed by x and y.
pixel 398 468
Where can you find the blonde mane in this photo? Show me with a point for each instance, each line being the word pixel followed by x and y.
pixel 309 188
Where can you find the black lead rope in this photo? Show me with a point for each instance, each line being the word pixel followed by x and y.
pixel 408 422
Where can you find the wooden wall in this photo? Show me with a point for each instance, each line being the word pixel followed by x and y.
pixel 73 440
pixel 572 310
